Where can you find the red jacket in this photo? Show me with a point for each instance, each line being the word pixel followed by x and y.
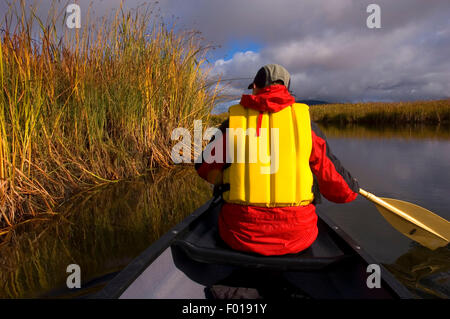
pixel 280 230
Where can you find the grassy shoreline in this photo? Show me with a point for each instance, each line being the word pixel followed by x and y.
pixel 376 113
pixel 91 106
pixel 382 113
pixel 404 131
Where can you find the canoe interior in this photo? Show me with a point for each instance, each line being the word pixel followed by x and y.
pixel 191 258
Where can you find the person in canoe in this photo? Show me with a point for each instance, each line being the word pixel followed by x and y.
pixel 275 163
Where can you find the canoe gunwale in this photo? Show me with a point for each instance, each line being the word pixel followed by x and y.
pixel 391 283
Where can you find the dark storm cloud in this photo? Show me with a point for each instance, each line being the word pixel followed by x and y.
pixel 326 45
pixel 333 55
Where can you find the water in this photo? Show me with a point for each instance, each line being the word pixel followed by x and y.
pixel 416 170
pixel 102 230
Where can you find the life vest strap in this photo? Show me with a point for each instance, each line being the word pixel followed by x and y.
pixel 258 126
pixel 220 189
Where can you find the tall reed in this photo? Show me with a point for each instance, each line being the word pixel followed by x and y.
pixel 90 105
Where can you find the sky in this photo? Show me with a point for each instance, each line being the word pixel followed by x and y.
pixel 326 46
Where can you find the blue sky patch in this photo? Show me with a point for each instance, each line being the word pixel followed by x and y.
pixel 234 46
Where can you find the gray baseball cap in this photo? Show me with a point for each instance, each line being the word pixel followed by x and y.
pixel 270 73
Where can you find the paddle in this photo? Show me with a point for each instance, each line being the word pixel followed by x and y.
pixel 415 222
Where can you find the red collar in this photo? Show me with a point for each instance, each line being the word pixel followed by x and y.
pixel 272 98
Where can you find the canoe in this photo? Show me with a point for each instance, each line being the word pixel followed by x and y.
pixel 190 261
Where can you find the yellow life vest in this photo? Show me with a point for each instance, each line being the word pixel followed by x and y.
pixel 259 177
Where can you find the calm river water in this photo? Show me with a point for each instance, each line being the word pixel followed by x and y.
pixel 104 229
pixel 411 164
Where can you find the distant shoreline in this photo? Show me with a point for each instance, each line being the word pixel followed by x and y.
pixel 376 113
pixel 382 113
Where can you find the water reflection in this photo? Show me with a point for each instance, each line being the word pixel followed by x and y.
pixel 425 272
pixel 405 131
pixel 101 230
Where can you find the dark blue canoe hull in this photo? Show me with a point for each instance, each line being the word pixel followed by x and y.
pixel 191 258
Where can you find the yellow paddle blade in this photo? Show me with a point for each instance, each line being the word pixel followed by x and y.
pixel 417 223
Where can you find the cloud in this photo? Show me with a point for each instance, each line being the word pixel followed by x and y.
pixel 241 64
pixel 406 61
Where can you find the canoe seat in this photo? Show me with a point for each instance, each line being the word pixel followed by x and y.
pixel 202 243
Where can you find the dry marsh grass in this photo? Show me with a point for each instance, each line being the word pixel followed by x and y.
pixel 381 113
pixel 90 106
